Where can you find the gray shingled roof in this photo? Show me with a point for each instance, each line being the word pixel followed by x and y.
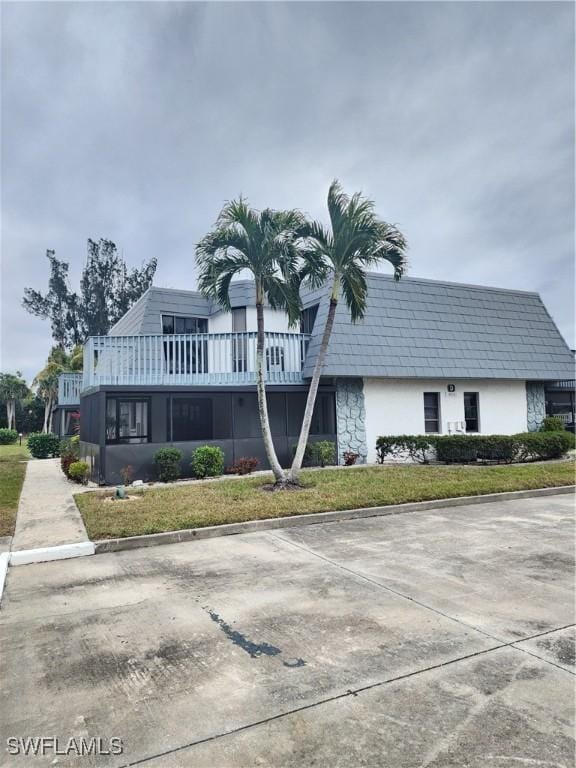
pixel 144 316
pixel 424 328
pixel 414 328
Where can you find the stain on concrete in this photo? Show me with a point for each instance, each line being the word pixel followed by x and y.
pixel 254 650
pixel 294 664
pixel 550 566
pixel 531 673
pixel 562 648
pixel 107 667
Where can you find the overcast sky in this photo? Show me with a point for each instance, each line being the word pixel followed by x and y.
pixel 135 121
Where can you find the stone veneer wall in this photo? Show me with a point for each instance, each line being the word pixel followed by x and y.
pixel 535 404
pixel 351 418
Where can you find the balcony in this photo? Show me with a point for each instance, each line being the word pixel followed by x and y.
pixel 69 388
pixel 192 359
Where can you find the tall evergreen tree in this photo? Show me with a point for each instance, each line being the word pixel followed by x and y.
pixel 107 290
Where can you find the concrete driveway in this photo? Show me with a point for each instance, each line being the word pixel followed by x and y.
pixel 439 638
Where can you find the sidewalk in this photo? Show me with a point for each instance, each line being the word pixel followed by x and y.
pixel 47 514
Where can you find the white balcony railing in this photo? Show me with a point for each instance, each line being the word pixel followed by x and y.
pixel 210 358
pixel 69 388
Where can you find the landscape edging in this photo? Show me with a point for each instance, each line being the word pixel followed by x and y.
pixel 313 518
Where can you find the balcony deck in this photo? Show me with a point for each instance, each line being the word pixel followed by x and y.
pixel 69 388
pixel 192 359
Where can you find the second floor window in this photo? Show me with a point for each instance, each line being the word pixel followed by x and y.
pixel 308 318
pixel 177 324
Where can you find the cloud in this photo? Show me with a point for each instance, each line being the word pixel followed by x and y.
pixel 135 121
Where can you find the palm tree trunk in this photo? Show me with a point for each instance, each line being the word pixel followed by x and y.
pixel 10 413
pixel 51 414
pixel 47 406
pixel 279 474
pixel 312 392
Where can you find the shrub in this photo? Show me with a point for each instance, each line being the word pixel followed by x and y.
pixel 499 448
pixel 244 466
pixel 534 446
pixel 464 449
pixel 207 461
pixel 350 458
pixel 42 445
pixel 456 449
pixel 79 471
pixel 69 453
pixel 552 424
pixel 415 447
pixel 8 436
pixel 168 461
pixel 323 452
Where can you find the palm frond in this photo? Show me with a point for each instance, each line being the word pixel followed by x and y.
pixel 354 290
pixel 284 294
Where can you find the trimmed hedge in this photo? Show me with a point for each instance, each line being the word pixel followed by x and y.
pixel 466 449
pixel 43 445
pixel 168 462
pixel 207 461
pixel 534 446
pixel 8 436
pixel 414 447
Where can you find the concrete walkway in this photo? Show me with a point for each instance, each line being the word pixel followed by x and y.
pixel 47 514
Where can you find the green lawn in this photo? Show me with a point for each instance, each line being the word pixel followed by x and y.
pixel 12 470
pixel 230 501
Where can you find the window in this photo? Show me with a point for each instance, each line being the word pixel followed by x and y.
pixel 127 420
pixel 239 343
pixel 432 412
pixel 185 356
pixel 471 411
pixel 238 319
pixel 191 419
pixel 308 318
pixel 177 324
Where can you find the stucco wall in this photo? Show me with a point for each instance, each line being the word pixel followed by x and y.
pixel 396 406
pixel 274 322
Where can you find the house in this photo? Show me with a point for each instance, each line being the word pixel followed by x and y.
pixel 428 357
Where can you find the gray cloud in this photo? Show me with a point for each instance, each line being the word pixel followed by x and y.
pixel 135 121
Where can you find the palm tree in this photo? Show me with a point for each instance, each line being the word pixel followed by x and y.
pixel 357 239
pixel 46 381
pixel 12 389
pixel 265 244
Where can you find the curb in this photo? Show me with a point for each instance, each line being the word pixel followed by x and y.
pixel 4 559
pixel 47 554
pixel 314 518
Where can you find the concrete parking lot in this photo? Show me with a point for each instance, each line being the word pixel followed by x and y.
pixel 438 638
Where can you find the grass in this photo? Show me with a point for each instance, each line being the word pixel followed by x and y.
pixel 230 501
pixel 12 470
